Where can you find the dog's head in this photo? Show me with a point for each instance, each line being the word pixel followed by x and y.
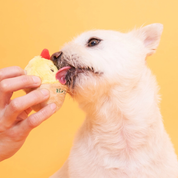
pixel 98 60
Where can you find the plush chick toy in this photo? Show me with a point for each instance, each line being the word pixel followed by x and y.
pixel 44 68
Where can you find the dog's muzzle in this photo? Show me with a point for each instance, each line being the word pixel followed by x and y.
pixel 67 72
pixel 56 57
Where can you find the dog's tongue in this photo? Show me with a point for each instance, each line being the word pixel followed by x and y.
pixel 61 74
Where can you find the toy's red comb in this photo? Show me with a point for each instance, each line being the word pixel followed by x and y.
pixel 45 54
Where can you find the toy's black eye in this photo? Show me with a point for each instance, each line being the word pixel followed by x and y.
pixel 93 42
pixel 52 70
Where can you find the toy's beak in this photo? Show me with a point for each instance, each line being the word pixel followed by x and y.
pixel 45 54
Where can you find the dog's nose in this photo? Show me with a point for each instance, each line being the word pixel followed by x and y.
pixel 56 57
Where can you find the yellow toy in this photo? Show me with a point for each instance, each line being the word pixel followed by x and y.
pixel 46 70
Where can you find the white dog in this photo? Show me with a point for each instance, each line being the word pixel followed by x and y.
pixel 123 135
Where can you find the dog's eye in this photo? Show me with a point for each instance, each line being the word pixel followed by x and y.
pixel 93 42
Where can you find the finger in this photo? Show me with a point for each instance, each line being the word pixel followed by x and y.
pixel 18 105
pixel 18 83
pixel 36 119
pixel 23 115
pixel 28 111
pixel 11 72
pixel 8 86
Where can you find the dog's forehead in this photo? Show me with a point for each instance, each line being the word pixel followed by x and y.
pixel 101 34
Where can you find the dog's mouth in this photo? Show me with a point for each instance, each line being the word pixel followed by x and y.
pixel 67 73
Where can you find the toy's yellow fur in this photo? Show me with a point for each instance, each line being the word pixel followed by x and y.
pixel 43 68
pixel 46 70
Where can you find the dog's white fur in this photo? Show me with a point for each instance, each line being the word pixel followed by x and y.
pixel 123 135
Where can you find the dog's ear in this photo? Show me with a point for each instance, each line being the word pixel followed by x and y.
pixel 150 36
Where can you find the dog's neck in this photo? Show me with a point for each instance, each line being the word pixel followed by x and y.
pixel 123 119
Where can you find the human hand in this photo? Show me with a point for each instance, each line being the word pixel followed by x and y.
pixel 15 124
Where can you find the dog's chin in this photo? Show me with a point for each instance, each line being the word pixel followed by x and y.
pixel 76 77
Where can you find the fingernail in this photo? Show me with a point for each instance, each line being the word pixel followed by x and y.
pixel 45 92
pixel 36 79
pixel 53 106
pixel 25 72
